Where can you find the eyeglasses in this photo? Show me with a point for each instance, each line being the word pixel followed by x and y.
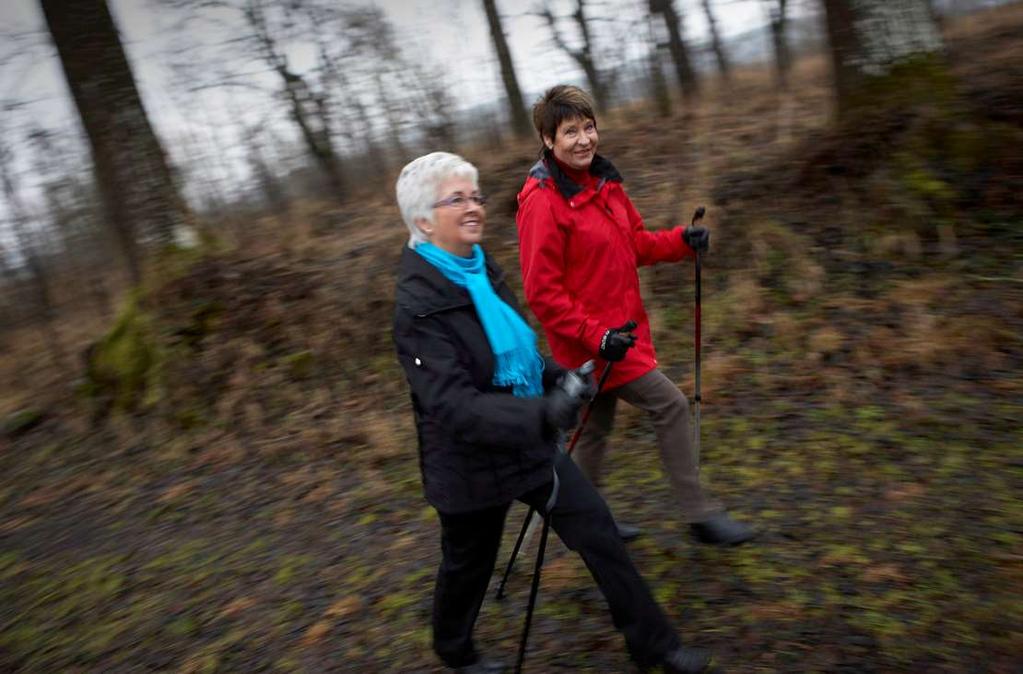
pixel 461 201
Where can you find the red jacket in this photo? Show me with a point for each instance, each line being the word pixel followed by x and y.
pixel 579 247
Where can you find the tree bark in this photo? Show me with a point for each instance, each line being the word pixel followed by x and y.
pixel 139 194
pixel 308 109
pixel 376 158
pixel 582 56
pixel 586 60
pixel 687 79
pixel 779 40
pixel 658 83
pixel 715 42
pixel 29 251
pixel 392 117
pixel 869 38
pixel 516 107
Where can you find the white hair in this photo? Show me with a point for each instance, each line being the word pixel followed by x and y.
pixel 418 184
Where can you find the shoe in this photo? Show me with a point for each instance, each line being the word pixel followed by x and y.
pixel 482 666
pixel 721 529
pixel 627 532
pixel 685 661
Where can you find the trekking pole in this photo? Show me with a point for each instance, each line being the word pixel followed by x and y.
pixel 697 216
pixel 589 408
pixel 528 524
pixel 574 385
pixel 534 588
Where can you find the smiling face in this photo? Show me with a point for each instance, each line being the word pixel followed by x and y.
pixel 456 228
pixel 575 142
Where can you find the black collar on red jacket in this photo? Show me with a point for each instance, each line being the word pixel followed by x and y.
pixel 547 167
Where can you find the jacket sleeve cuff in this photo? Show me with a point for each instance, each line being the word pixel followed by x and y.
pixel 594 335
pixel 686 251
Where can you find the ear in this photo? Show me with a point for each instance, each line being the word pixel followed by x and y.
pixel 549 142
pixel 424 225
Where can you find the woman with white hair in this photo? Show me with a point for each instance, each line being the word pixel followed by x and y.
pixel 488 412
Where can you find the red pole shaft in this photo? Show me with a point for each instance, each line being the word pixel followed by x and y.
pixel 589 408
pixel 696 397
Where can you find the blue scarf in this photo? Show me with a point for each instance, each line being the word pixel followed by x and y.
pixel 517 362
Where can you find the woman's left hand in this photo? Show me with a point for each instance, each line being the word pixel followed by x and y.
pixel 697 238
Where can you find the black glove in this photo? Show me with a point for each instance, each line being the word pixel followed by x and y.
pixel 617 341
pixel 561 410
pixel 697 238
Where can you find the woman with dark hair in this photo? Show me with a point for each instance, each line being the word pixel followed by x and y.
pixel 580 243
pixel 488 411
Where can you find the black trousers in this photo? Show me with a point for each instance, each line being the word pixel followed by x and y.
pixel 581 518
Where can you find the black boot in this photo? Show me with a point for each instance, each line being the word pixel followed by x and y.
pixel 627 532
pixel 482 666
pixel 720 529
pixel 685 661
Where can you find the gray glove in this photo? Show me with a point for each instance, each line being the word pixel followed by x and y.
pixel 560 409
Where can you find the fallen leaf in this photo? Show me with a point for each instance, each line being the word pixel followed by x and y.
pixel 884 572
pixel 343 608
pixel 236 606
pixel 316 632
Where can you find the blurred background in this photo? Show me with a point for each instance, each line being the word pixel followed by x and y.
pixel 207 458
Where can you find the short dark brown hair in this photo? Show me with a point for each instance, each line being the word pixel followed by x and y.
pixel 559 103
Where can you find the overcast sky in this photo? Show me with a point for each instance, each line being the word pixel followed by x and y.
pixel 450 35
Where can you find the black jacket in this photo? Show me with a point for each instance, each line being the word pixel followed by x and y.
pixel 479 446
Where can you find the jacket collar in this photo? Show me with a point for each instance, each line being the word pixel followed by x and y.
pixel 424 290
pixel 546 168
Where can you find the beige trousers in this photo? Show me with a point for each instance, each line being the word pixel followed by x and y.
pixel 668 408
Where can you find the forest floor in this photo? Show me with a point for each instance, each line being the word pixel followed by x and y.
pixel 863 344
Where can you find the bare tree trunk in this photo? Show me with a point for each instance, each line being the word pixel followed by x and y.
pixel 308 110
pixel 131 168
pixel 393 120
pixel 687 79
pixel 516 108
pixel 28 249
pixel 586 60
pixel 432 105
pixel 779 39
pixel 582 56
pixel 376 160
pixel 336 73
pixel 68 206
pixel 273 194
pixel 868 38
pixel 724 67
pixel 658 83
